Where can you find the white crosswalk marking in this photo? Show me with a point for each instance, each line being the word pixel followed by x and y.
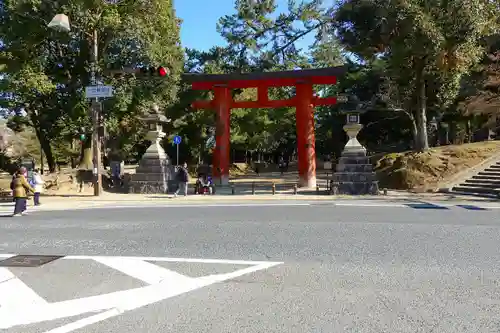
pixel 13 292
pixel 144 271
pixel 20 305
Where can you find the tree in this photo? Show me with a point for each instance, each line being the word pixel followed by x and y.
pixel 262 39
pixel 436 41
pixel 45 71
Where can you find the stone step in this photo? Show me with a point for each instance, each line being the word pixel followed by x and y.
pixel 356 153
pixel 356 177
pixel 487 177
pixel 481 183
pixel 354 168
pixel 489 173
pixel 475 190
pixel 490 169
pixel 354 160
pixel 356 188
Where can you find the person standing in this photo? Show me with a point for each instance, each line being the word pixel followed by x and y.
pixel 281 165
pixel 182 178
pixel 20 187
pixel 38 186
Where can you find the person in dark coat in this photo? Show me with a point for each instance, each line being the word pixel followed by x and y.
pixel 20 188
pixel 183 179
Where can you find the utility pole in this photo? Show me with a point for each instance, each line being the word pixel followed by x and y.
pixel 96 116
pixel 41 159
pixel 61 22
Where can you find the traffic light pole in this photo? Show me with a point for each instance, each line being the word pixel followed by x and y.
pixel 96 116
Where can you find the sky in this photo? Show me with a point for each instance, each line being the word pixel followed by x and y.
pixel 198 30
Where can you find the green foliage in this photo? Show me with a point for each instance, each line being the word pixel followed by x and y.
pixel 425 42
pixel 46 71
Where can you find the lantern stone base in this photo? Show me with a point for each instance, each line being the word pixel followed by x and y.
pixel 155 173
pixel 354 175
pixel 223 180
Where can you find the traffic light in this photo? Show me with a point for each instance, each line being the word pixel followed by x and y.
pixel 154 71
pixel 81 134
pixel 160 71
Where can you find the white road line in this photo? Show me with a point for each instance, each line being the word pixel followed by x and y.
pixel 167 259
pixel 203 281
pixel 200 205
pixel 361 204
pixel 13 291
pixel 86 321
pixel 121 301
pixel 144 271
pixel 232 275
pixel 155 205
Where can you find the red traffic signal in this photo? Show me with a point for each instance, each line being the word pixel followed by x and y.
pixel 162 71
pixel 154 71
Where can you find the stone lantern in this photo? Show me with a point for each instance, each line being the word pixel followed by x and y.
pixel 354 174
pixel 155 173
pixel 154 121
pixel 352 128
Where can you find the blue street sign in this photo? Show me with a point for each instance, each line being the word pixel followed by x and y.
pixel 177 139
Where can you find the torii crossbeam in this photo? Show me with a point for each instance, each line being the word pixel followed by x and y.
pixel 304 102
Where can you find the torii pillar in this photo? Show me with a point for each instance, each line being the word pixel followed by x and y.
pixel 221 158
pixel 306 143
pixel 304 101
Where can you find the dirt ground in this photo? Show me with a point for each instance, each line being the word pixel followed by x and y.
pixel 425 171
pixel 414 171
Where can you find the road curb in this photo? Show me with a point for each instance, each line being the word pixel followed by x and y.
pixel 181 201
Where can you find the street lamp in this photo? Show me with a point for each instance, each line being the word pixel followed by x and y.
pixel 60 22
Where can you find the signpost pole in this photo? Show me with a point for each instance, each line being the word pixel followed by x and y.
pixel 177 142
pixel 96 115
pixel 177 154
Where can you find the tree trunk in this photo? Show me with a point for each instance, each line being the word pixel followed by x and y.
pixel 421 112
pixel 73 162
pixel 47 150
pixel 413 129
pixel 414 132
pixel 453 133
pixel 468 129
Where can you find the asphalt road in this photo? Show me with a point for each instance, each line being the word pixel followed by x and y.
pixel 297 268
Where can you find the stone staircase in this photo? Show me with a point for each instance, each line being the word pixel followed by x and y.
pixel 485 182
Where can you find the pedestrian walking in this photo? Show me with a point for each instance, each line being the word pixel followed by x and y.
pixel 182 178
pixel 20 188
pixel 281 165
pixel 38 183
pixel 12 185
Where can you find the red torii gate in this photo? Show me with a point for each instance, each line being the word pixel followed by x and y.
pixel 304 101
